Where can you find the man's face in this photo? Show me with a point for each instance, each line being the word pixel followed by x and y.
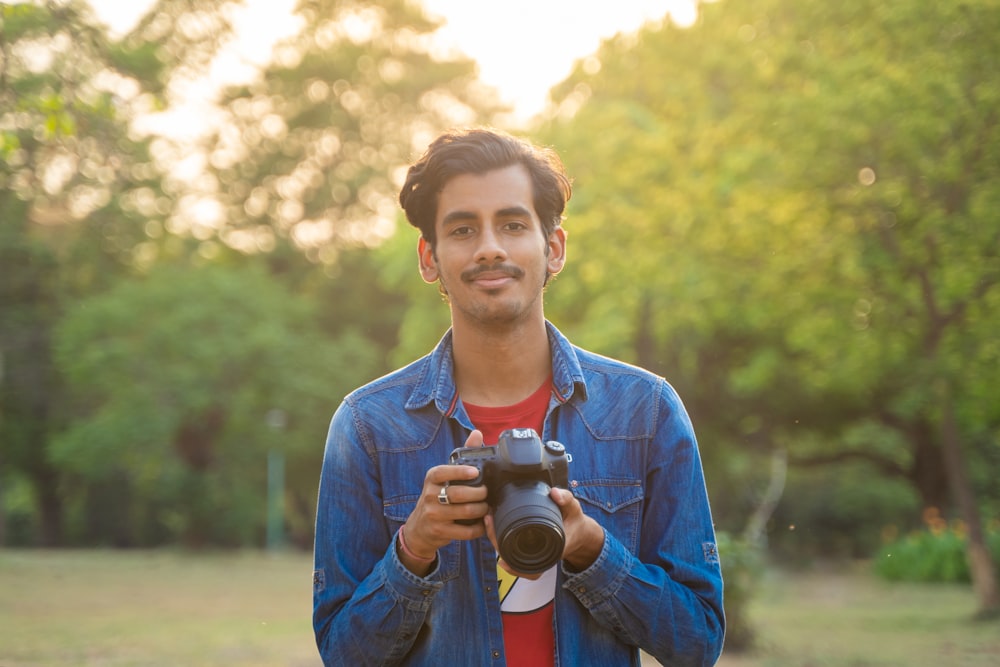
pixel 491 257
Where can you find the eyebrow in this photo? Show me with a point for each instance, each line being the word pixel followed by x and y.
pixel 514 212
pixel 464 216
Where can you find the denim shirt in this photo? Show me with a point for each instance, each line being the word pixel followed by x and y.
pixel 635 469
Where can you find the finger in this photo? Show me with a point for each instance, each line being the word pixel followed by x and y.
pixel 439 524
pixel 491 531
pixel 475 439
pixel 470 512
pixel 561 497
pixel 459 494
pixel 467 531
pixel 442 474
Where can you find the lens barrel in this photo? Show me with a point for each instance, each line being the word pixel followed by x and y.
pixel 529 527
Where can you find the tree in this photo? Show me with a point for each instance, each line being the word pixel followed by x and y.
pixel 304 165
pixel 172 379
pixel 820 182
pixel 67 168
pixel 83 204
pixel 310 152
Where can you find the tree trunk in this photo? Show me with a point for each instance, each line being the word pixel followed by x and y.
pixel 3 509
pixel 645 340
pixel 50 507
pixel 755 532
pixel 984 579
pixel 927 474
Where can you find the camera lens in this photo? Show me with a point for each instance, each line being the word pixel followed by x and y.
pixel 529 527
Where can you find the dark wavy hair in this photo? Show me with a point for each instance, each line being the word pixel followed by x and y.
pixel 477 151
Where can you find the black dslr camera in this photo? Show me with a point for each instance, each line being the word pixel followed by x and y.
pixel 518 472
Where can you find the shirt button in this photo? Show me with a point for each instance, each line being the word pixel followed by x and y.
pixel 581 589
pixel 496 655
pixel 425 593
pixel 574 483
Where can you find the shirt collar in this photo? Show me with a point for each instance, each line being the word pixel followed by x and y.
pixel 436 382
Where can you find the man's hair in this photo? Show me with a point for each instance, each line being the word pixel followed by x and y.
pixel 478 151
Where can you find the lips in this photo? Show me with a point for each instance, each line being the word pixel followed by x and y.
pixel 491 277
pixel 492 283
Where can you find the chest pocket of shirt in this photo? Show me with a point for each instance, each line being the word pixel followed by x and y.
pixel 396 512
pixel 616 504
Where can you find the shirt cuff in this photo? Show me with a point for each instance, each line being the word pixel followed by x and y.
pixel 601 581
pixel 413 591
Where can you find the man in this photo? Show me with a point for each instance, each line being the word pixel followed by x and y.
pixel 406 570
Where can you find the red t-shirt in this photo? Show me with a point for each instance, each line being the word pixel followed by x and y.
pixel 526 605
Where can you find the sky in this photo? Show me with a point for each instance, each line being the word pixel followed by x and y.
pixel 529 46
pixel 522 49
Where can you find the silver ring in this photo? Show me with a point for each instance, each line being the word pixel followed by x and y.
pixel 443 496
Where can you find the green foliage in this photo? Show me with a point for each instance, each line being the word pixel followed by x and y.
pixel 788 209
pixel 69 168
pixel 23 19
pixel 788 222
pixel 426 316
pixel 311 152
pixel 742 568
pixel 160 427
pixel 935 554
pixel 826 516
pixel 172 378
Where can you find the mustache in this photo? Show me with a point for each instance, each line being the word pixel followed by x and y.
pixel 509 269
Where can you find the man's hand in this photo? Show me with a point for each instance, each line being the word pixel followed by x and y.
pixel 584 536
pixel 432 524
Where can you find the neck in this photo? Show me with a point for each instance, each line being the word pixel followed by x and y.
pixel 498 368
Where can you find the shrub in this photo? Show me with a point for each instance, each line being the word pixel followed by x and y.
pixel 742 566
pixel 936 553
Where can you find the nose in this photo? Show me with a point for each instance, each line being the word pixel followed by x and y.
pixel 490 248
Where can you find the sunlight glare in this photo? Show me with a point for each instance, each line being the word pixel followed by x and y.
pixel 522 50
pixel 527 47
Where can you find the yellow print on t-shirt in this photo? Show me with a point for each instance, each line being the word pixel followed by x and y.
pixel 519 595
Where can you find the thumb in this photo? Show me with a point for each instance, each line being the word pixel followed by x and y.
pixel 561 497
pixel 475 439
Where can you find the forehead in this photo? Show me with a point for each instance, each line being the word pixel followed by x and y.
pixel 487 193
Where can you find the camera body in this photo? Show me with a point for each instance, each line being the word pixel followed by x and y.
pixel 518 473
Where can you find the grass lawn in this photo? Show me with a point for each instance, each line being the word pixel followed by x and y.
pixel 845 617
pixel 161 608
pixel 155 609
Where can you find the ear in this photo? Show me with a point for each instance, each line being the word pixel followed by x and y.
pixel 557 251
pixel 428 267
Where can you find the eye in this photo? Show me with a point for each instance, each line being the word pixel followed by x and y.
pixel 461 230
pixel 514 226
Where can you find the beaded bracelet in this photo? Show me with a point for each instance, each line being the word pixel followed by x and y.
pixel 406 550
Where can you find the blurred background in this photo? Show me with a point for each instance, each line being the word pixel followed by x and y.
pixel 788 208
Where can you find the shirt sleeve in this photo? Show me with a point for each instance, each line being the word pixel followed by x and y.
pixel 367 606
pixel 667 599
